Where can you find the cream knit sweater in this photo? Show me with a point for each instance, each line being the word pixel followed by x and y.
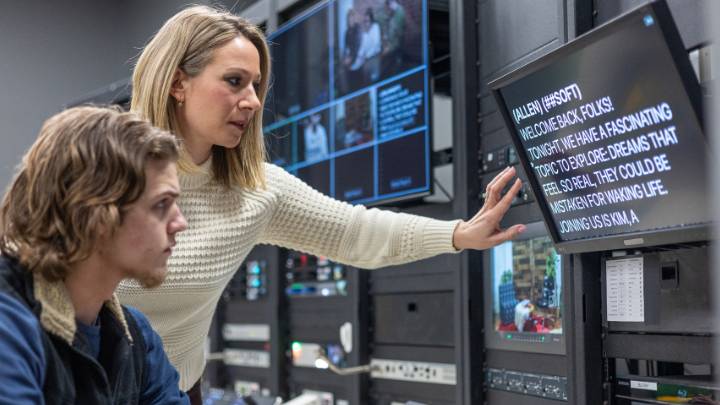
pixel 225 225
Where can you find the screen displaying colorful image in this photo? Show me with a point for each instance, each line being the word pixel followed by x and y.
pixel 348 107
pixel 526 287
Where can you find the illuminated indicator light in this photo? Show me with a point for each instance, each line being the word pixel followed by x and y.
pixel 296 346
pixel 648 20
pixel 320 363
pixel 509 336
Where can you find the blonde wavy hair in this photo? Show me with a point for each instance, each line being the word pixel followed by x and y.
pixel 186 42
pixel 87 165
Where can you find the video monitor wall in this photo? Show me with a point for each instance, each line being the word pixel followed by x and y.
pixel 524 308
pixel 348 108
pixel 609 129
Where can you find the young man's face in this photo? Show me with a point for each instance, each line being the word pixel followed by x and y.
pixel 141 246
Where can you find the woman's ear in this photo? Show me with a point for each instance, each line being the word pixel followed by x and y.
pixel 179 85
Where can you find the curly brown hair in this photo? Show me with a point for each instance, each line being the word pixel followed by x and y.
pixel 85 168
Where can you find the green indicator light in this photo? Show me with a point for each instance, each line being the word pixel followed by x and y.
pixel 296 346
pixel 508 336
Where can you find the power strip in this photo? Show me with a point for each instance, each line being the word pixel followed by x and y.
pixel 246 358
pixel 539 385
pixel 246 332
pixel 415 371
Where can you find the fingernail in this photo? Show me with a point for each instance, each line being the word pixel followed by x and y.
pixel 522 229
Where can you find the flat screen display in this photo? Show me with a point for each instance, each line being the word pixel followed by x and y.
pixel 609 130
pixel 525 297
pixel 348 108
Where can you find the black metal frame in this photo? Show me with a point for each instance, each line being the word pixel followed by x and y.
pixel 680 234
pixel 464 89
pixel 581 298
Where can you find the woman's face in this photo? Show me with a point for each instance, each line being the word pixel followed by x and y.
pixel 367 22
pixel 352 18
pixel 220 101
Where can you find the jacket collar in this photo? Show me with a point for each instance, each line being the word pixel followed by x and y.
pixel 57 315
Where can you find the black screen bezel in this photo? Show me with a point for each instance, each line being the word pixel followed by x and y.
pixel 493 338
pixel 430 189
pixel 678 53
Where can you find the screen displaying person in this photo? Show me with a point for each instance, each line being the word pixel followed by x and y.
pixel 348 78
pixel 353 137
pixel 393 36
pixel 353 36
pixel 316 140
pixel 368 57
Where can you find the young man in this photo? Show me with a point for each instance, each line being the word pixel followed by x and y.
pixel 93 203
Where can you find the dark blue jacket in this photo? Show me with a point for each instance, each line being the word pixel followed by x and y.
pixel 45 359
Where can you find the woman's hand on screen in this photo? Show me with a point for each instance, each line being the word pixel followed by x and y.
pixel 483 230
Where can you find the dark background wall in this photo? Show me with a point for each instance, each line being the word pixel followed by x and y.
pixel 54 52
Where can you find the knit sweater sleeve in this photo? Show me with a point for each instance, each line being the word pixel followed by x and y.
pixel 306 220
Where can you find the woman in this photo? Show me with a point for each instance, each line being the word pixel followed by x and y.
pixel 204 76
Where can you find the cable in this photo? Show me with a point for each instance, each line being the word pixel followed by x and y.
pixel 347 370
pixel 321 356
pixel 304 399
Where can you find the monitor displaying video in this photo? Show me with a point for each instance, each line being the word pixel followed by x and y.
pixel 348 108
pixel 524 301
pixel 609 129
